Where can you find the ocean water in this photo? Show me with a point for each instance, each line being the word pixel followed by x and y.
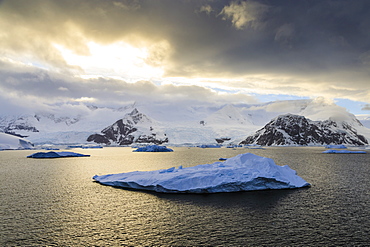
pixel 54 202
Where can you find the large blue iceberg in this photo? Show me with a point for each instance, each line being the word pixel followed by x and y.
pixel 48 155
pixel 331 151
pixel 244 172
pixel 153 148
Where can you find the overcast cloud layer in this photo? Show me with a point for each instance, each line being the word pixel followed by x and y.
pixel 303 48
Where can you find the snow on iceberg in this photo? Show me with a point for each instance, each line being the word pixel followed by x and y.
pixel 8 141
pixel 331 151
pixel 153 148
pixel 48 155
pixel 341 146
pixel 244 172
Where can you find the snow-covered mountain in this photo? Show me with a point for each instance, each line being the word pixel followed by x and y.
pixel 227 115
pixel 134 127
pixel 297 130
pixel 182 124
pixel 70 126
pixel 11 124
pixel 365 120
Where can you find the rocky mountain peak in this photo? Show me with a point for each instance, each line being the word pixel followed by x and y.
pixel 136 117
pixel 134 127
pixel 292 129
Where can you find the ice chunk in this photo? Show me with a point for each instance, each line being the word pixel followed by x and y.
pixel 244 172
pixel 209 146
pixel 91 146
pixel 42 155
pixel 341 146
pixel 153 148
pixel 331 151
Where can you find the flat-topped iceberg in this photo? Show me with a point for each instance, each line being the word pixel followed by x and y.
pixel 153 148
pixel 331 151
pixel 244 172
pixel 48 155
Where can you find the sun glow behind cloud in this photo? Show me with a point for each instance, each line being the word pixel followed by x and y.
pixel 116 60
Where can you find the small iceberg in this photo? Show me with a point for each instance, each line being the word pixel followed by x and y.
pixel 331 151
pixel 91 146
pixel 153 148
pixel 209 146
pixel 74 146
pixel 49 155
pixel 234 146
pixel 244 172
pixel 341 146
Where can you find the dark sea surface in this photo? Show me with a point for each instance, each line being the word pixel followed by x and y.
pixel 54 202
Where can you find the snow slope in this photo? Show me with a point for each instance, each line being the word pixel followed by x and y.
pixel 13 142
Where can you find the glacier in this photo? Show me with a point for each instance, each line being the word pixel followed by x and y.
pixel 244 172
pixel 49 155
pixel 8 141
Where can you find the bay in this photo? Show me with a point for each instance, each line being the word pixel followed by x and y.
pixel 54 202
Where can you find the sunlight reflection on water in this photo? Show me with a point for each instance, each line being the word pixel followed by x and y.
pixel 55 203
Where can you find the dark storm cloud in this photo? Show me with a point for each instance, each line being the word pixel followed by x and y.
pixel 304 44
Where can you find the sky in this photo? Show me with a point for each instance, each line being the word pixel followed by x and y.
pixel 185 52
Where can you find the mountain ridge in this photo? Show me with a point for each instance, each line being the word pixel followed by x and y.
pixel 292 129
pixel 134 127
pixel 231 123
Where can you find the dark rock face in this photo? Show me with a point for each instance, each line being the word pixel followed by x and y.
pixel 222 140
pixel 297 130
pixel 15 134
pixel 98 138
pixel 16 124
pixel 126 131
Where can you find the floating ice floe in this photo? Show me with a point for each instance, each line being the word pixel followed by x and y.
pixel 331 151
pixel 91 146
pixel 244 172
pixel 341 146
pixel 48 155
pixel 209 146
pixel 153 148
